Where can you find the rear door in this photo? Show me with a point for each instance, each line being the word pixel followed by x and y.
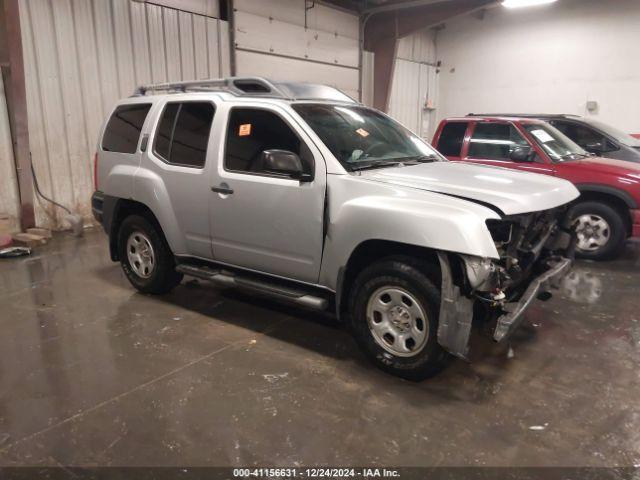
pixel 177 152
pixel 492 143
pixel 450 139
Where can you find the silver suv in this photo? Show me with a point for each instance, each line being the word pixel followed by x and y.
pixel 298 192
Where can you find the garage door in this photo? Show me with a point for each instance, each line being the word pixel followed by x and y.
pixel 272 41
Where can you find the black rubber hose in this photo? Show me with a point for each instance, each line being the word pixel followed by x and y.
pixel 42 195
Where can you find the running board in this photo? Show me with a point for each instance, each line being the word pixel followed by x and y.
pixel 231 280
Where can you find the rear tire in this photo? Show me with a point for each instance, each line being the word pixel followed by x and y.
pixel 145 256
pixel 601 231
pixel 394 311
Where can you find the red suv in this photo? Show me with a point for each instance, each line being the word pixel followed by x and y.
pixel 607 211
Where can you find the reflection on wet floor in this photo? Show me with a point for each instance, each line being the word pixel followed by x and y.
pixel 92 372
pixel 582 286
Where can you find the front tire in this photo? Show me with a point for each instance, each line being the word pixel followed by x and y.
pixel 145 257
pixel 601 231
pixel 394 311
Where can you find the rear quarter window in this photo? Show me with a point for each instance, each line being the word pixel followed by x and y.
pixel 123 129
pixel 451 139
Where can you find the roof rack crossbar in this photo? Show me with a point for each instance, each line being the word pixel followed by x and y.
pixel 231 84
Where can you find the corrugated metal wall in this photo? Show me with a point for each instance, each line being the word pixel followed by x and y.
pixel 9 201
pixel 272 41
pixel 414 82
pixel 83 55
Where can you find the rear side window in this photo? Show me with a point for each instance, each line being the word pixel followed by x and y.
pixel 182 135
pixel 495 141
pixel 252 131
pixel 451 139
pixel 124 127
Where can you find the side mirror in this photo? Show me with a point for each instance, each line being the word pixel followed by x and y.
pixel 283 162
pixel 521 154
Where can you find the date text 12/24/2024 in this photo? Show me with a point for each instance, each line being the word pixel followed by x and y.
pixel 318 472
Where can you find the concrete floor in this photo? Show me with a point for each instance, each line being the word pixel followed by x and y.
pixel 93 373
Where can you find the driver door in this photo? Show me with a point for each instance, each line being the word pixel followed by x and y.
pixel 492 143
pixel 260 220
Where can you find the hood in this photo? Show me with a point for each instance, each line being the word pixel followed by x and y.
pixel 509 191
pixel 607 166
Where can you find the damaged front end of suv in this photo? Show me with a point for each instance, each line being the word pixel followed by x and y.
pixel 536 251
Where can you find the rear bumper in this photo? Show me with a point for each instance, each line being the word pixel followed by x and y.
pixel 635 223
pixel 509 322
pixel 97 206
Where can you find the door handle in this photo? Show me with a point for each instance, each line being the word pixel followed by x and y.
pixel 223 188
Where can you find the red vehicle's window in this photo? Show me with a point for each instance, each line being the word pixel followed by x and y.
pixel 451 138
pixel 495 141
pixel 555 143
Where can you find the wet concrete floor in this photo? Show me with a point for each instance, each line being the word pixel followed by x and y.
pixel 94 373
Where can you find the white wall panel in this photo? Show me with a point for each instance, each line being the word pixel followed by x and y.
pixel 81 56
pixel 551 59
pixel 172 44
pixel 9 200
pixel 368 63
pixel 414 82
pixel 320 17
pixel 140 42
pixel 272 41
pixel 187 59
pixel 345 79
pixel 224 49
pixel 418 47
pixel 274 36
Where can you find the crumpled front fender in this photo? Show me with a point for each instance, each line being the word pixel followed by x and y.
pixel 456 313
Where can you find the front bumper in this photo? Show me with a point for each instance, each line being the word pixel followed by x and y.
pixel 509 322
pixel 635 223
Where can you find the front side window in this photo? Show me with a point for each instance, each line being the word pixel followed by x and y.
pixel 617 134
pixel 251 131
pixel 360 137
pixel 555 143
pixel 495 141
pixel 182 135
pixel 123 129
pixel 452 138
pixel 583 136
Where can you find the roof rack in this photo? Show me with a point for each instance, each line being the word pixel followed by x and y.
pixel 523 115
pixel 251 87
pixel 240 86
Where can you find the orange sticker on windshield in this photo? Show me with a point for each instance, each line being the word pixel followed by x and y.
pixel 362 132
pixel 244 130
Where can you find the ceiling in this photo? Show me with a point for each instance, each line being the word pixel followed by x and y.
pixel 365 6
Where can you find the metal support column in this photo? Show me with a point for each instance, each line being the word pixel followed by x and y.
pixel 12 64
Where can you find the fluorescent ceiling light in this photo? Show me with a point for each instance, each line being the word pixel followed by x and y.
pixel 524 3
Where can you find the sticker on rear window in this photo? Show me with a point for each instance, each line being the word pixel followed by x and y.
pixel 244 130
pixel 541 135
pixel 362 132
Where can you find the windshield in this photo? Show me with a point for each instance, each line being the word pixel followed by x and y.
pixel 555 143
pixel 360 137
pixel 618 135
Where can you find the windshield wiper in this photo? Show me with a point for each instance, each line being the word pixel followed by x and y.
pixel 419 159
pixel 365 166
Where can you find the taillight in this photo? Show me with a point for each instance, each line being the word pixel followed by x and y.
pixel 95 171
